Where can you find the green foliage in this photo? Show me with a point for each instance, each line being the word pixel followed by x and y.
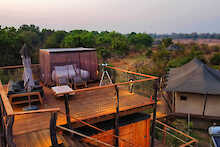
pixel 149 53
pixel 55 39
pixel 79 38
pixel 160 58
pixel 140 39
pixel 115 42
pixel 118 43
pixel 166 42
pixel 29 28
pixel 9 46
pixel 181 60
pixel 215 48
pixel 103 39
pixel 30 38
pixel 193 36
pixel 178 62
pixel 215 60
pixel 103 53
pixel 107 43
pixel 162 55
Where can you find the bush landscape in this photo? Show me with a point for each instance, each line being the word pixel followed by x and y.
pixel 147 53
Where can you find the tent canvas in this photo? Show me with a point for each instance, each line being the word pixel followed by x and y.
pixel 194 77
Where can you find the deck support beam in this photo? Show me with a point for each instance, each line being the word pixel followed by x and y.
pixel 9 131
pixel 117 117
pixel 2 127
pixel 53 136
pixel 154 113
pixel 66 96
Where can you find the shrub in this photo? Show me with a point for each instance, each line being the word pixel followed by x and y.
pixel 215 60
pixel 103 53
pixel 148 53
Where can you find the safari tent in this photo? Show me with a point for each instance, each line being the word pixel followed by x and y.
pixel 83 58
pixel 195 88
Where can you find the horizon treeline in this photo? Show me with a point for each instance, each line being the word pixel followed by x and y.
pixel 107 43
pixel 193 35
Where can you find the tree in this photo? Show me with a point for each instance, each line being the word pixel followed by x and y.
pixel 9 47
pixel 30 38
pixel 55 39
pixel 45 33
pixel 31 28
pixel 166 42
pixel 80 38
pixel 140 39
pixel 118 43
pixel 215 60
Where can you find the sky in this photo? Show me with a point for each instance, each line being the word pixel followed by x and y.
pixel 150 16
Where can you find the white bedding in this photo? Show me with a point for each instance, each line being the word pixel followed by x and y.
pixel 61 74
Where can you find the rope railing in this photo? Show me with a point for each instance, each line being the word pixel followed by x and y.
pixel 85 136
pixel 122 81
pixel 141 78
pixel 15 73
pixel 101 130
pixel 131 72
pixel 16 66
pixel 183 138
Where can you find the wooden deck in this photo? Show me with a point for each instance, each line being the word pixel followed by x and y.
pixel 92 106
pixel 41 138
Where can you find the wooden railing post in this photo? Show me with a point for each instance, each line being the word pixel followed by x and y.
pixel 67 111
pixel 53 135
pixel 2 128
pixel 117 117
pixel 154 113
pixel 164 134
pixel 9 131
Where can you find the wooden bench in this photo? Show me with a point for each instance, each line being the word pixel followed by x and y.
pixel 27 94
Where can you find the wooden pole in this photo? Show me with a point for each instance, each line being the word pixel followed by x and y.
pixel 9 131
pixel 2 128
pixel 174 101
pixel 66 96
pixel 188 123
pixel 113 76
pixel 204 107
pixel 164 134
pixel 154 113
pixel 53 136
pixel 117 117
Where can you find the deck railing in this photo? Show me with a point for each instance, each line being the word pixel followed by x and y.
pixel 85 136
pixel 15 72
pixel 116 85
pixel 102 135
pixel 173 137
pixel 7 118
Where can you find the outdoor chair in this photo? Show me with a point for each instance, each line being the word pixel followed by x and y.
pixel 18 95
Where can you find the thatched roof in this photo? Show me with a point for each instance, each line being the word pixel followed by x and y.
pixel 194 77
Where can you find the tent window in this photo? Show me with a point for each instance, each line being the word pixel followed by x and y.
pixel 183 98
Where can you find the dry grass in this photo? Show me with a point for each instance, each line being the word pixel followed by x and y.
pixel 210 42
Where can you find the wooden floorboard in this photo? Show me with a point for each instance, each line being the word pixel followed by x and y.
pixel 42 139
pixel 85 105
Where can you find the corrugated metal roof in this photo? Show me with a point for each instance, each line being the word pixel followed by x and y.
pixel 54 50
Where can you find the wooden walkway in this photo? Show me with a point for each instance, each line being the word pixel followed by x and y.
pixel 88 105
